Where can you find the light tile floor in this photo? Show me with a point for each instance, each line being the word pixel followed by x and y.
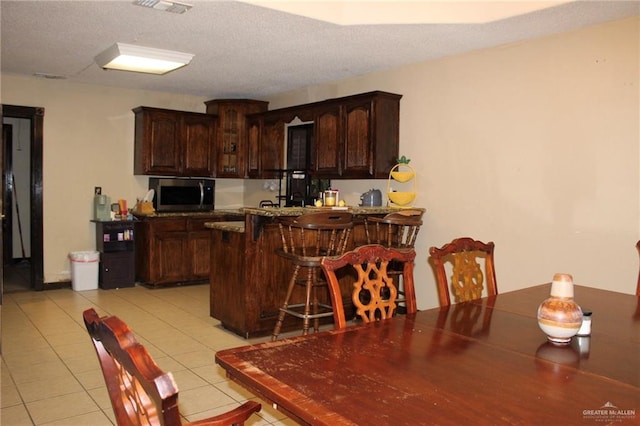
pixel 50 372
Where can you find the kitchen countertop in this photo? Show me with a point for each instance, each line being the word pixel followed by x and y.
pixel 239 226
pixel 297 211
pixel 213 214
pixel 231 226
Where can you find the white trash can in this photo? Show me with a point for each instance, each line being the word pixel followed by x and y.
pixel 84 270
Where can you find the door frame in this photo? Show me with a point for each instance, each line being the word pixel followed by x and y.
pixel 35 115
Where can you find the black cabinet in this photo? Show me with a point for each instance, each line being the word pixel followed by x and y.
pixel 115 242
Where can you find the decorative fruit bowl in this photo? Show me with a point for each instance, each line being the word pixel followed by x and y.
pixel 402 176
pixel 401 198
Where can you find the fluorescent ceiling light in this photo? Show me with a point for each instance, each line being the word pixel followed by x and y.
pixel 128 57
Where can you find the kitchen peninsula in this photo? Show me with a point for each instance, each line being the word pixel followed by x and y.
pixel 248 279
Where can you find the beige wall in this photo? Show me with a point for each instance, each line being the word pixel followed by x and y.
pixel 534 146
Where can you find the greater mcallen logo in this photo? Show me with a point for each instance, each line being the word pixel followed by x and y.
pixel 607 413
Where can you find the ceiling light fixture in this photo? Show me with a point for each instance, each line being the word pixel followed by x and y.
pixel 165 5
pixel 129 57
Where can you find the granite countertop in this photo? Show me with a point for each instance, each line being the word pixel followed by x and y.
pixel 297 211
pixel 231 226
pixel 239 226
pixel 213 214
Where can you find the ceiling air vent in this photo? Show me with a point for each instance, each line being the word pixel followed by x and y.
pixel 166 5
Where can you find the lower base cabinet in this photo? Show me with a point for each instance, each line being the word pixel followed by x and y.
pixel 173 250
pixel 117 270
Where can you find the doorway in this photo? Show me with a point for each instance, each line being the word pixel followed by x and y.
pixel 22 198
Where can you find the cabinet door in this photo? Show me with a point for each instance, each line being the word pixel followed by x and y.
pixel 158 144
pixel 200 254
pixel 327 143
pixel 117 270
pixel 231 141
pixel 171 251
pixel 271 149
pixel 199 249
pixel 198 132
pixel 358 147
pixel 253 147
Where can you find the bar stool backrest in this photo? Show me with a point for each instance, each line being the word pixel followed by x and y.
pixel 397 229
pixel 316 234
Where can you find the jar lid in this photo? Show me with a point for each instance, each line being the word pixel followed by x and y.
pixel 562 286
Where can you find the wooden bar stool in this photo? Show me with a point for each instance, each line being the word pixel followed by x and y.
pixel 397 230
pixel 306 240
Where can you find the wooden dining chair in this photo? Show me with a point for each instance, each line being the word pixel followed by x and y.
pixel 141 393
pixel 468 279
pixel 397 230
pixel 638 285
pixel 374 291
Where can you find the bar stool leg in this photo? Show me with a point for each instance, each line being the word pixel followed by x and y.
pixel 292 284
pixel 307 305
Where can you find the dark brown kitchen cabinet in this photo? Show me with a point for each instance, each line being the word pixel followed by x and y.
pixel 199 249
pixel 266 145
pixel 232 138
pixel 326 149
pixel 174 143
pixel 171 250
pixel 254 126
pixel 355 137
pixel 371 135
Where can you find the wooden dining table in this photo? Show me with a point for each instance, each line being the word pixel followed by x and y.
pixel 479 362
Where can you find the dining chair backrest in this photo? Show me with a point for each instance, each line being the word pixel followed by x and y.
pixel 638 285
pixel 374 292
pixel 468 277
pixel 140 392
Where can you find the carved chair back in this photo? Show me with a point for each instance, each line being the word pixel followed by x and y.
pixel 468 279
pixel 374 291
pixel 140 392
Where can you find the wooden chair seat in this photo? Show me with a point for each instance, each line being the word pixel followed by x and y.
pixel 140 392
pixel 467 275
pixel 375 293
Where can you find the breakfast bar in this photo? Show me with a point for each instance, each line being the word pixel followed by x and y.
pixel 247 278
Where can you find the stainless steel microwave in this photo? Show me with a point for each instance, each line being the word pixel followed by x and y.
pixel 183 195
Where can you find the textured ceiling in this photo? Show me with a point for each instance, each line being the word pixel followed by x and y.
pixel 243 50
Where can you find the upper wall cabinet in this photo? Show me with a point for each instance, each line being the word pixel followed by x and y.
pixel 327 141
pixel 174 143
pixel 231 140
pixel 369 144
pixel 355 137
pixel 266 145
